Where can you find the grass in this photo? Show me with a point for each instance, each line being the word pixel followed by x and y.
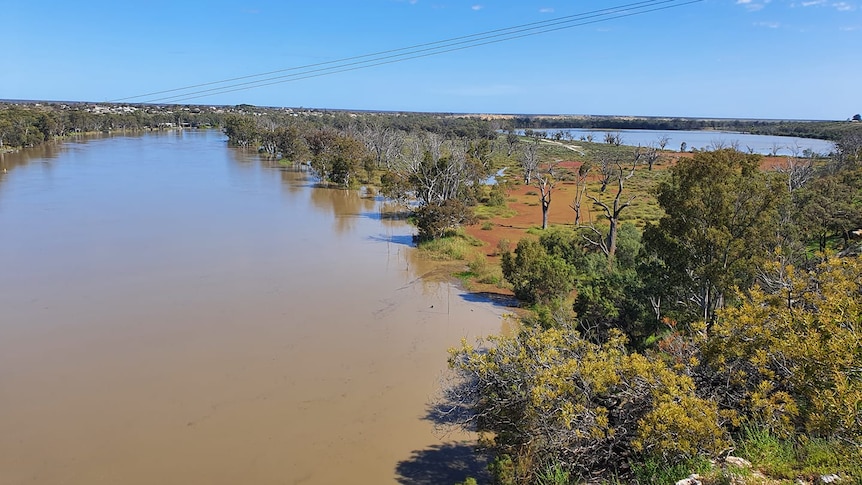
pixel 800 457
pixel 656 472
pixel 480 271
pixel 456 245
pixel 486 211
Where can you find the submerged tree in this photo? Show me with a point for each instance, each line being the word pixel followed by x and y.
pixel 437 174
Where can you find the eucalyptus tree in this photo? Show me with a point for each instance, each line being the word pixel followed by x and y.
pixel 721 221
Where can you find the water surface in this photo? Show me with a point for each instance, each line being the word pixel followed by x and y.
pixel 706 139
pixel 176 311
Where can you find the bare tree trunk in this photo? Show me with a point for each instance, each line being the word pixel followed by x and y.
pixel 545 181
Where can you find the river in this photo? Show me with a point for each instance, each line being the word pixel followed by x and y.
pixel 175 311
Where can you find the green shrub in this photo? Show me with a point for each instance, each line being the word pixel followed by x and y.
pixel 535 275
pixel 433 220
pixel 787 360
pixel 551 398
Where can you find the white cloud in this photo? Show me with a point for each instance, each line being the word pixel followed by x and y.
pixel 850 29
pixel 546 10
pixel 476 7
pixel 844 6
pixel 813 2
pixel 768 25
pixel 752 5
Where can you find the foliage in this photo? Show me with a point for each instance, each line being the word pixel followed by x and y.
pixel 336 158
pixel 240 130
pixel 553 399
pixel 535 275
pixel 788 357
pixel 435 219
pixel 830 205
pixel 614 299
pixel 721 220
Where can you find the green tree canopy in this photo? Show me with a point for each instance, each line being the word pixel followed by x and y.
pixel 721 220
pixel 535 275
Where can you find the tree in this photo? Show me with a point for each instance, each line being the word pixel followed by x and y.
pixel 798 170
pixel 612 212
pixel 335 157
pixel 383 141
pixel 535 275
pixel 433 171
pixel 662 141
pixel 435 219
pixel 512 139
pixel 615 297
pixel 721 220
pixel 649 155
pixel 830 205
pixel 530 160
pixel 857 117
pixel 848 151
pixel 290 143
pixel 581 189
pixel 240 130
pixel 546 179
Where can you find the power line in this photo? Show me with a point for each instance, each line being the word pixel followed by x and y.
pixel 417 51
pixel 377 60
pixel 390 51
pixel 340 69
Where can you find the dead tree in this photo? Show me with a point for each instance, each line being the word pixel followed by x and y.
pixel 648 154
pixel 581 189
pixel 530 160
pixel 608 244
pixel 545 181
pixel 798 170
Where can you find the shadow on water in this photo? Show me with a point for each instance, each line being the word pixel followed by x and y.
pixel 401 239
pixel 387 215
pixel 453 461
pixel 446 463
pixel 497 299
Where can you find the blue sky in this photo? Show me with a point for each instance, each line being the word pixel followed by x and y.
pixel 799 59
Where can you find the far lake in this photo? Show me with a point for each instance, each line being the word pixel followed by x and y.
pixel 700 140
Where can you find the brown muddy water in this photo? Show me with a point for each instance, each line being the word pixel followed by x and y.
pixel 174 311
